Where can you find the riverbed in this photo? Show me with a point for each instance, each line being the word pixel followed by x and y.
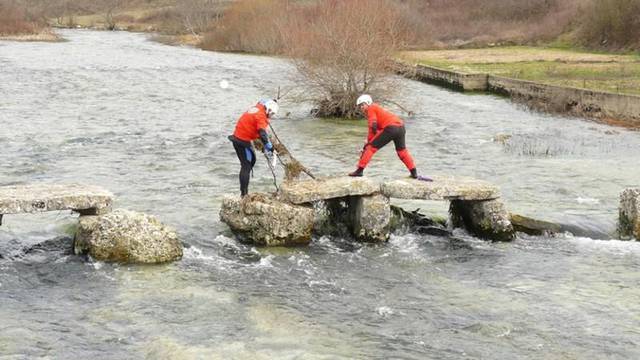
pixel 149 122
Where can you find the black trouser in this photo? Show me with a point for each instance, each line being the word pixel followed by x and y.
pixel 247 158
pixel 390 133
pixel 395 133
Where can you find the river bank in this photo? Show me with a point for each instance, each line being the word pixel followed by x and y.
pixel 596 71
pixel 543 79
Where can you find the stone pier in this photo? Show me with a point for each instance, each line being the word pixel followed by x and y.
pixel 475 205
pixel 629 218
pixel 264 220
pixel 370 217
pixel 118 236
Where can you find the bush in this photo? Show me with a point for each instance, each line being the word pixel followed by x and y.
pixel 343 49
pixel 16 20
pixel 249 26
pixel 445 23
pixel 198 15
pixel 613 24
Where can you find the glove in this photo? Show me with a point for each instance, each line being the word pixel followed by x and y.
pixel 268 147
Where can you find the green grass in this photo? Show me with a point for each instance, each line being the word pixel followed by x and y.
pixel 565 67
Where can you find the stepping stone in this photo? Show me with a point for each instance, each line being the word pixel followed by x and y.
pixel 300 192
pixel 441 188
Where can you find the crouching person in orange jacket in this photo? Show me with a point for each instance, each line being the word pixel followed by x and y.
pixel 384 127
pixel 251 126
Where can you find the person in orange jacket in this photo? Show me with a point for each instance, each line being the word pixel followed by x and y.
pixel 384 127
pixel 251 126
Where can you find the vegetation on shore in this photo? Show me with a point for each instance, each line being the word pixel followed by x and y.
pixel 16 23
pixel 610 25
pixel 168 17
pixel 343 48
pixel 588 70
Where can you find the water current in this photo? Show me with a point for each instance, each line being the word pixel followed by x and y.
pixel 149 122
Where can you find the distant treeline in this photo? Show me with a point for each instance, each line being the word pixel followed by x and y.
pixel 256 25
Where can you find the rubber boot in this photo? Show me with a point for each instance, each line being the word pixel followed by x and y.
pixel 359 171
pixel 414 173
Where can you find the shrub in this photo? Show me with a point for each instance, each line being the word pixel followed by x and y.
pixel 613 24
pixel 343 49
pixel 445 23
pixel 249 26
pixel 197 16
pixel 15 19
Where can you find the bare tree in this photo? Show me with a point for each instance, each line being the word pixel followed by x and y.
pixel 199 15
pixel 250 26
pixel 110 7
pixel 343 49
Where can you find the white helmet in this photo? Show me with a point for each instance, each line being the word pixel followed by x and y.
pixel 271 106
pixel 364 99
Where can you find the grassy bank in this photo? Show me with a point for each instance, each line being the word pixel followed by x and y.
pixel 594 71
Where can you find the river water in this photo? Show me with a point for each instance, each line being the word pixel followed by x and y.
pixel 149 122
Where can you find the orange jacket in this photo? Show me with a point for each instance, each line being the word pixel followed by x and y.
pixel 377 114
pixel 251 122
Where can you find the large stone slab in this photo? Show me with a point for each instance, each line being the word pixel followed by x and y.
pixel 301 192
pixel 629 214
pixel 127 237
pixel 32 198
pixel 441 188
pixel 265 221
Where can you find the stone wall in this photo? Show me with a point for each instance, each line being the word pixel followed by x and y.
pixel 574 101
pixel 446 78
pixel 619 109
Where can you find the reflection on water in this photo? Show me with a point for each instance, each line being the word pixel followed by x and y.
pixel 149 122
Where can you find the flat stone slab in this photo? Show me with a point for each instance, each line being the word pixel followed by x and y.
pixel 300 192
pixel 32 198
pixel 443 187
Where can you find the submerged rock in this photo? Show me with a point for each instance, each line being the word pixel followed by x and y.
pixel 127 237
pixel 629 214
pixel 414 221
pixel 266 221
pixel 300 192
pixel 536 227
pixel 371 218
pixel 532 226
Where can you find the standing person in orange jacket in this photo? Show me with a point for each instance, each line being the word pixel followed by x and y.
pixel 251 126
pixel 384 127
